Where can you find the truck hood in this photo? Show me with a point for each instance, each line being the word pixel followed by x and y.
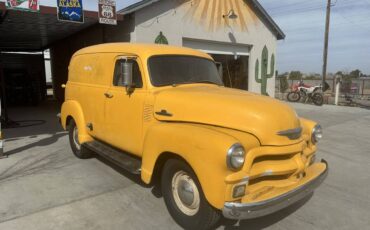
pixel 259 115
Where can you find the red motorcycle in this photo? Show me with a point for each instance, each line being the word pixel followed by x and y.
pixel 307 93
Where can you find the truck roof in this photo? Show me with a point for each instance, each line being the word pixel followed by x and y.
pixel 142 50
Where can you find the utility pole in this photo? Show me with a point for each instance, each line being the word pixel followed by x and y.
pixel 326 43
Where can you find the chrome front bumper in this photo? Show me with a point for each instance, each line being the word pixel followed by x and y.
pixel 233 210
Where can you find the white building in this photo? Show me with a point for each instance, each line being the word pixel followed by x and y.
pixel 239 34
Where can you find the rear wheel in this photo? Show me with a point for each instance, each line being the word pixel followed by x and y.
pixel 77 149
pixel 318 99
pixel 184 197
pixel 293 96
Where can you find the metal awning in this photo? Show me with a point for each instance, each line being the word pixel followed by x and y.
pixel 35 31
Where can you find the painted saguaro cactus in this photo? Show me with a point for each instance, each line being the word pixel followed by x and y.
pixel 264 66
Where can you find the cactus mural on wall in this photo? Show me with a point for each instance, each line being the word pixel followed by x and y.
pixel 264 67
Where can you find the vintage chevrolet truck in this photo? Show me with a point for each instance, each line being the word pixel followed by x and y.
pixel 163 112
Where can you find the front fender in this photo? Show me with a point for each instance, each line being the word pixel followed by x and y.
pixel 204 149
pixel 307 126
pixel 72 108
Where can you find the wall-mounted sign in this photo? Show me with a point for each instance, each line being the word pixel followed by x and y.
pixel 27 5
pixel 107 12
pixel 70 10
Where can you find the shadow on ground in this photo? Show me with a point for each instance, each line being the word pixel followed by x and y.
pixel 33 121
pixel 43 142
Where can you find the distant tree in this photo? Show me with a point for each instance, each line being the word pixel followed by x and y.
pixel 355 73
pixel 285 74
pixel 284 85
pixel 346 81
pixel 339 73
pixel 313 76
pixel 295 75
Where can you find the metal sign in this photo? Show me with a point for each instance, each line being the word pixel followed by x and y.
pixel 26 5
pixel 107 12
pixel 70 10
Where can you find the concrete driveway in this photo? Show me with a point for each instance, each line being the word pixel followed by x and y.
pixel 43 186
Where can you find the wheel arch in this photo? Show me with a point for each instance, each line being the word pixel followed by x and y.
pixel 68 121
pixel 161 161
pixel 72 110
pixel 165 141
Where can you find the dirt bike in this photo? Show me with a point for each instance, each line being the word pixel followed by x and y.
pixel 307 93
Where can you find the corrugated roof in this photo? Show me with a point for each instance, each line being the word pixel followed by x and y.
pixel 256 6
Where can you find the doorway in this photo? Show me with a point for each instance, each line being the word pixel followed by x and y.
pixel 234 70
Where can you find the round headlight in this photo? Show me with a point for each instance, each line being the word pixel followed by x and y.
pixel 316 134
pixel 235 157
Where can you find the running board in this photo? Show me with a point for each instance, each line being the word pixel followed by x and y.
pixel 120 158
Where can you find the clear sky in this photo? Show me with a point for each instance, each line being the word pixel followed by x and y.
pixel 303 22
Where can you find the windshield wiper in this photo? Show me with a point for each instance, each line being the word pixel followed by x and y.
pixel 207 82
pixel 196 82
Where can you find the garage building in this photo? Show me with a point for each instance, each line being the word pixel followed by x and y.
pixel 239 34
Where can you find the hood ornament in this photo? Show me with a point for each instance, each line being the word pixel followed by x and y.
pixel 292 134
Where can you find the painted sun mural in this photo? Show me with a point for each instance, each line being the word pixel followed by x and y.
pixel 209 13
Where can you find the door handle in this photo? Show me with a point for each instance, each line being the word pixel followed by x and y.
pixel 108 95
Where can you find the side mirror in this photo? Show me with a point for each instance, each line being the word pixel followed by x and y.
pixel 126 73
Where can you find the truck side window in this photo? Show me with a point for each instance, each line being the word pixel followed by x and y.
pixel 136 78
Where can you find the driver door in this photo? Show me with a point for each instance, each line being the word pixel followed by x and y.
pixel 124 110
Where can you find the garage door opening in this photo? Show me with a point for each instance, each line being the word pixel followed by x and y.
pixel 234 70
pixel 231 56
pixel 24 78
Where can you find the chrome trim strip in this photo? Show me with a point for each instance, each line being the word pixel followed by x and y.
pixel 291 133
pixel 238 211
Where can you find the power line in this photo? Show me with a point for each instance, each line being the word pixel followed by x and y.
pixel 290 5
pixel 353 23
pixel 294 10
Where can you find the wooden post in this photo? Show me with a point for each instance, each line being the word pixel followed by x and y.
pixel 326 42
pixel 363 87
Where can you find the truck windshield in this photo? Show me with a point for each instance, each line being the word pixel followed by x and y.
pixel 174 70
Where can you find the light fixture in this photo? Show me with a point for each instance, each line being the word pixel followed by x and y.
pixel 230 15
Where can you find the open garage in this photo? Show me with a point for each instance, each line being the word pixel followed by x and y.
pixel 25 35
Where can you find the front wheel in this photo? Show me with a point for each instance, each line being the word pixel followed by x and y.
pixel 184 197
pixel 293 96
pixel 77 149
pixel 318 99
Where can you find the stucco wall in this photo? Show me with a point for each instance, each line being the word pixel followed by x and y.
pixel 203 20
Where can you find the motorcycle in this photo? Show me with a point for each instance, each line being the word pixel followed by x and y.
pixel 307 93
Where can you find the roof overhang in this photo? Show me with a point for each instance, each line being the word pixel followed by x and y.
pixel 36 31
pixel 266 18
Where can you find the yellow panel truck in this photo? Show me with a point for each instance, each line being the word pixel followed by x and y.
pixel 163 112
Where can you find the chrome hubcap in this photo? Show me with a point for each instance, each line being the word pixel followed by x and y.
pixel 185 193
pixel 75 138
